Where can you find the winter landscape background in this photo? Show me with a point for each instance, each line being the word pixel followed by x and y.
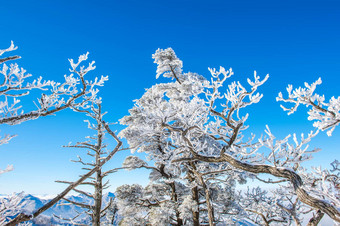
pixel 62 208
pixel 292 41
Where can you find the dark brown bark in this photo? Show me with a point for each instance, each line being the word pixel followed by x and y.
pixel 195 214
pixel 207 194
pixel 9 58
pixel 174 74
pixel 209 204
pixel 195 198
pixel 315 220
pixel 265 221
pixel 174 198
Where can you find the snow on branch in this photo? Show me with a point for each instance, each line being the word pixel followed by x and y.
pixel 284 153
pixel 168 64
pixel 8 168
pixel 74 92
pixel 325 114
pixel 10 206
pixel 133 162
pixel 9 49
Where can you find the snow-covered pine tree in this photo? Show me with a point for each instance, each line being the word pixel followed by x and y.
pixel 195 123
pixel 165 123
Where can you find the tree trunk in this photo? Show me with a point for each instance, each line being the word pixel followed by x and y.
pixel 207 195
pixel 174 198
pixel 98 195
pixel 98 192
pixel 315 220
pixel 209 204
pixel 195 214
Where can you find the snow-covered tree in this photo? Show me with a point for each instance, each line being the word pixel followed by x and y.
pixel 97 151
pixel 165 123
pixel 194 126
pixel 74 92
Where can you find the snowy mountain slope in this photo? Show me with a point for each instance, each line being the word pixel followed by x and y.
pixel 28 203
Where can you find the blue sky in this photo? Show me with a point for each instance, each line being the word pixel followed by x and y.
pixel 293 41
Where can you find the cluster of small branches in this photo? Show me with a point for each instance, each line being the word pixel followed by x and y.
pixel 10 206
pixel 75 92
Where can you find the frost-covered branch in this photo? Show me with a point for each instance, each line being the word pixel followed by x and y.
pixel 261 208
pixel 10 206
pixel 72 186
pixel 326 115
pixel 75 92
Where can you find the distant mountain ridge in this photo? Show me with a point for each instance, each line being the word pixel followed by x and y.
pixel 67 210
pixel 29 203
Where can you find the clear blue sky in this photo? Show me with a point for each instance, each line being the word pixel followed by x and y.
pixel 293 41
